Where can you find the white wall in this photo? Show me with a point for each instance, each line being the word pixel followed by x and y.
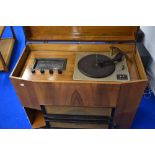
pixel 149 42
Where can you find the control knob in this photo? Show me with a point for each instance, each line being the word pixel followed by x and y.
pixel 60 71
pixel 33 71
pixel 51 71
pixel 42 71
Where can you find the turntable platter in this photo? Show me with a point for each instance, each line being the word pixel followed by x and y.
pixel 91 66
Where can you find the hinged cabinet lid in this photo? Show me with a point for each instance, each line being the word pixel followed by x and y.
pixel 80 33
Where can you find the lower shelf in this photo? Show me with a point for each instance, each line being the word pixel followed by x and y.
pixel 6 47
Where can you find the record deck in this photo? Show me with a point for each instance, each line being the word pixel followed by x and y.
pixel 101 67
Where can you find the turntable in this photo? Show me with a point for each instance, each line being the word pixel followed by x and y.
pixel 101 67
pixel 95 84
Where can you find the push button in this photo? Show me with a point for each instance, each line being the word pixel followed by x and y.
pixel 122 77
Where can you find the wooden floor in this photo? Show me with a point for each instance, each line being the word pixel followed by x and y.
pixel 6 46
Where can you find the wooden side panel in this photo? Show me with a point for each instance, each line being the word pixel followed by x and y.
pixel 20 63
pixel 140 66
pixel 26 93
pixel 128 101
pixel 81 33
pixel 35 118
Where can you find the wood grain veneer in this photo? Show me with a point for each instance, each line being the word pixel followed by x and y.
pixel 35 117
pixel 81 33
pixel 6 46
pixel 1 30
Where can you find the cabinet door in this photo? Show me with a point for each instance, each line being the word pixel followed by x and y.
pixel 77 94
pixel 34 94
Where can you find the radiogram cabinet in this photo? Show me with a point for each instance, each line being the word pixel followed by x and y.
pixel 57 100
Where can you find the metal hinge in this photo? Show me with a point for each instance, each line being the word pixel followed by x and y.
pixel 36 42
pixel 75 42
